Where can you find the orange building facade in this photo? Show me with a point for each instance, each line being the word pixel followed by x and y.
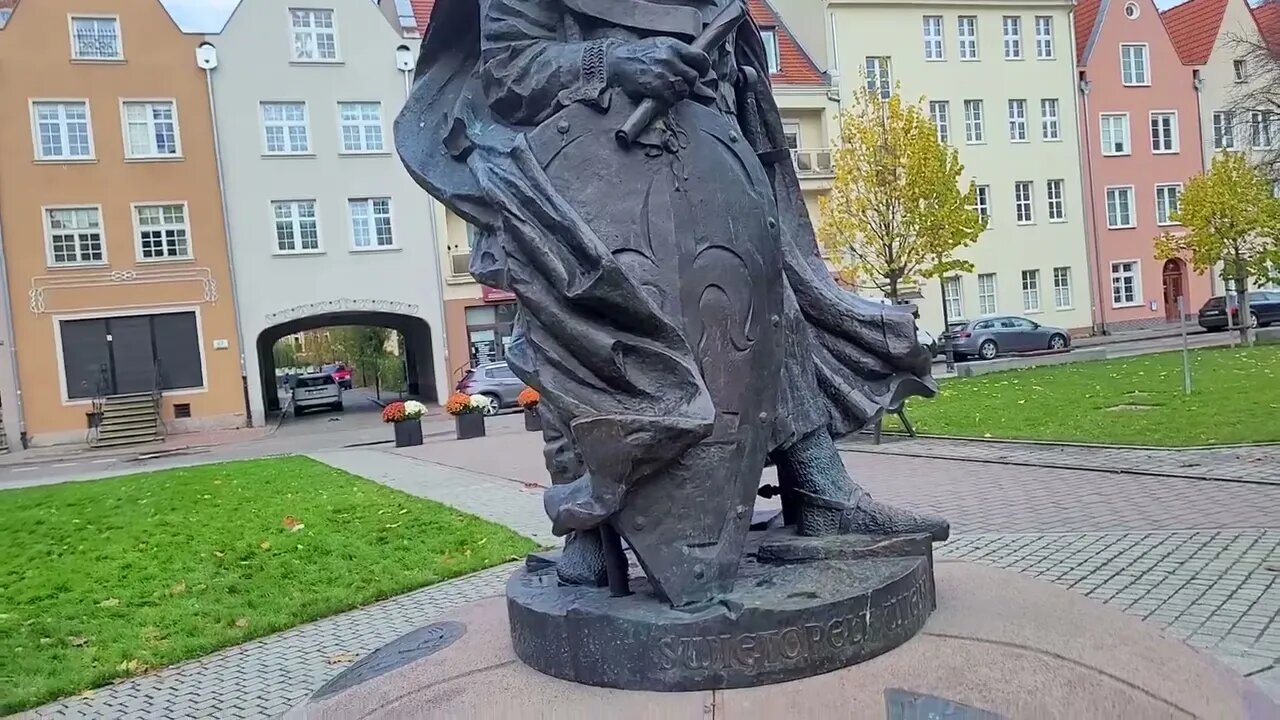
pixel 113 232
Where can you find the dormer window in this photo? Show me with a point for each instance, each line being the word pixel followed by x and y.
pixel 770 37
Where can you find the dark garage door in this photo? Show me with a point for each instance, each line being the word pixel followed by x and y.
pixel 122 353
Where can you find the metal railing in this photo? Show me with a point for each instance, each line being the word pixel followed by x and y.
pixel 813 162
pixel 97 404
pixel 157 391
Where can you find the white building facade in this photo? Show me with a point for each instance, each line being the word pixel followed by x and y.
pixel 326 226
pixel 999 80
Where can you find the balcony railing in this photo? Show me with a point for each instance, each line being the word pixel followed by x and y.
pixel 815 162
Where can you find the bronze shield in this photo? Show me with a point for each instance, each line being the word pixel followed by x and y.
pixel 697 230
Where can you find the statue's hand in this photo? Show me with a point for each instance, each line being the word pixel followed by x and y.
pixel 661 68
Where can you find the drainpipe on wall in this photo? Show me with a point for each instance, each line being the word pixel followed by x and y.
pixel 207 59
pixel 405 64
pixel 8 339
pixel 1097 299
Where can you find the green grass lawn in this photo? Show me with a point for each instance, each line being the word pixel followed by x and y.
pixel 105 579
pixel 1131 401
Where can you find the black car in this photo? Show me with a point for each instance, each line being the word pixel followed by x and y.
pixel 1264 309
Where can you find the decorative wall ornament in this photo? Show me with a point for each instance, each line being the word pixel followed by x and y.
pixel 43 295
pixel 341 305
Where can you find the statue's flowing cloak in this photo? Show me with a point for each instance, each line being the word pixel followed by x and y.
pixel 610 366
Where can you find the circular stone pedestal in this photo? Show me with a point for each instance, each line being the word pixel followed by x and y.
pixel 1000 645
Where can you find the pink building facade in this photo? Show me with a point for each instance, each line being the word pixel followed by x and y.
pixel 1140 129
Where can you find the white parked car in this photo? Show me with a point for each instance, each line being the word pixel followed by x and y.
pixel 317 390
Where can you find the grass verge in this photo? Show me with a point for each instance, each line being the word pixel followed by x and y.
pixel 105 579
pixel 1131 401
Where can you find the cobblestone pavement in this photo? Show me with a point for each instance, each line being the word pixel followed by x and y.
pixel 1259 463
pixel 1201 559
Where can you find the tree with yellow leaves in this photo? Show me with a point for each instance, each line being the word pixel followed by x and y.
pixel 1231 218
pixel 896 213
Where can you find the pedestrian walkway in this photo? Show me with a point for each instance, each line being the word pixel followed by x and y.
pixel 1198 558
pixel 1257 463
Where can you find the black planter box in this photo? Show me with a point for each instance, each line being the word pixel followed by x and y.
pixel 408 433
pixel 470 425
pixel 532 420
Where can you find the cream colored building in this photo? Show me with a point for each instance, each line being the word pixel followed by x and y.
pixel 999 78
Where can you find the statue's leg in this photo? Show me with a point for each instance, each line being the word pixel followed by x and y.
pixel 582 562
pixel 832 503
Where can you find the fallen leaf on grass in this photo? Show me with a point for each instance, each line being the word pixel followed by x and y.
pixel 132 667
pixel 77 640
pixel 86 695
pixel 219 554
pixel 178 589
pixel 291 523
pixel 109 602
pixel 265 545
pixel 393 525
pixel 341 658
pixel 242 622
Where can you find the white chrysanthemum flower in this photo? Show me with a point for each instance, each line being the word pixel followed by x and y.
pixel 414 409
pixel 480 402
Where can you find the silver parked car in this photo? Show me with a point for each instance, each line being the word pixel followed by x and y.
pixel 495 381
pixel 989 337
pixel 316 390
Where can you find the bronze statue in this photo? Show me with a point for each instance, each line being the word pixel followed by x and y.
pixel 624 163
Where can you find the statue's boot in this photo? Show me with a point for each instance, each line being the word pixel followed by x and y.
pixel 581 504
pixel 832 503
pixel 582 560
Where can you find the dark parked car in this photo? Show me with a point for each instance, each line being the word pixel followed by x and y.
pixel 989 337
pixel 1264 309
pixel 495 381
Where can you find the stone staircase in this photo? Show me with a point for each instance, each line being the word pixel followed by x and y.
pixel 128 420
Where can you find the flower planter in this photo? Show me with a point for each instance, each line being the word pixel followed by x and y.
pixel 532 420
pixel 469 425
pixel 408 433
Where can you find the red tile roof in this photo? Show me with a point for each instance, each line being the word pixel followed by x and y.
pixel 796 67
pixel 1193 27
pixel 422 13
pixel 1086 19
pixel 1267 16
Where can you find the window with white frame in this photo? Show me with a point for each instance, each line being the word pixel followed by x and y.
pixel 1056 194
pixel 74 236
pixel 1044 37
pixel 1022 202
pixel 987 294
pixel 1017 120
pixel 1050 122
pixel 315 37
pixel 96 38
pixel 1124 283
pixel 151 129
pixel 62 130
pixel 982 201
pixel 371 223
pixel 967 36
pixel 361 127
pixel 1260 123
pixel 951 297
pixel 791 134
pixel 1031 291
pixel 1164 132
pixel 1224 130
pixel 163 232
pixel 770 37
pixel 1115 134
pixel 973 130
pixel 932 28
pixel 1239 70
pixel 1062 288
pixel 1120 207
pixel 940 113
pixel 878 80
pixel 1167 203
pixel 284 127
pixel 1011 25
pixel 297 230
pixel 1134 68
